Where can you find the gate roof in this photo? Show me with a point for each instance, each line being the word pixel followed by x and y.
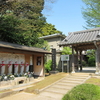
pixel 82 39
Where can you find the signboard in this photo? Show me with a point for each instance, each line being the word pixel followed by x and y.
pixel 64 57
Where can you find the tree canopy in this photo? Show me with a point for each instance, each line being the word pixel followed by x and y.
pixel 91 13
pixel 22 21
pixel 66 51
pixel 48 29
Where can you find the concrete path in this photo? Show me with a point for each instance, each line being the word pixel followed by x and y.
pixel 55 91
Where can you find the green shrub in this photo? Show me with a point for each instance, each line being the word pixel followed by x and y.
pixel 91 61
pixel 83 92
pixel 84 63
pixel 48 65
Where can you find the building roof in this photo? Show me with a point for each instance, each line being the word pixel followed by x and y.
pixel 53 35
pixel 85 36
pixel 21 47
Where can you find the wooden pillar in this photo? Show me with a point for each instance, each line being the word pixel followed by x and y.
pixel 77 63
pixel 80 60
pixel 73 65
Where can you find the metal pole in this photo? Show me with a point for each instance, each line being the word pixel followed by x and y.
pixel 62 66
pixel 67 66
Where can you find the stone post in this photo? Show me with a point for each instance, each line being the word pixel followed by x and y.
pixel 97 61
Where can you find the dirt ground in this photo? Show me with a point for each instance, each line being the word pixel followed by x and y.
pixel 20 96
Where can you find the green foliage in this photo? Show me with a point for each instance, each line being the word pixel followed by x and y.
pixel 91 55
pixel 66 50
pixel 83 92
pixel 91 61
pixel 43 44
pixel 84 63
pixel 48 29
pixel 91 13
pixel 21 22
pixel 48 65
pixel 8 29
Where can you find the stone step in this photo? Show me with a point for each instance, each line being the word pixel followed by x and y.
pixel 52 95
pixel 79 80
pixel 40 97
pixel 57 90
pixel 78 77
pixel 75 78
pixel 67 84
pixel 62 87
pixel 71 81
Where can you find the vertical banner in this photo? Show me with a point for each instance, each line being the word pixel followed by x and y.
pixel 53 59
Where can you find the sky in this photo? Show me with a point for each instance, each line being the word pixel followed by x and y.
pixel 66 15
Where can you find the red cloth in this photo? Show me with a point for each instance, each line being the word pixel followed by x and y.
pixel 27 64
pixel 15 65
pixel 2 65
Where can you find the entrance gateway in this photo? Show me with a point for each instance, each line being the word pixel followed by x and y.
pixel 83 40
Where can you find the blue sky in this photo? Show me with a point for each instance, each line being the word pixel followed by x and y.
pixel 66 15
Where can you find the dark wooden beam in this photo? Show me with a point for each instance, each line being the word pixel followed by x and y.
pixel 18 51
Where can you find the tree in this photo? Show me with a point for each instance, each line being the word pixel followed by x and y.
pixel 25 20
pixel 21 22
pixel 8 29
pixel 48 29
pixel 66 50
pixel 92 13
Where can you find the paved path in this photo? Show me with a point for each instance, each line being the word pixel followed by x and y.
pixel 54 92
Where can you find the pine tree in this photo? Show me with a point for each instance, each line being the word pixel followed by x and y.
pixel 92 13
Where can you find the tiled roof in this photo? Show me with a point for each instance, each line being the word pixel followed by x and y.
pixel 86 36
pixel 53 35
pixel 21 47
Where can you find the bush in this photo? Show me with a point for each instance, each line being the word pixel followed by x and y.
pixel 83 92
pixel 48 65
pixel 84 63
pixel 91 61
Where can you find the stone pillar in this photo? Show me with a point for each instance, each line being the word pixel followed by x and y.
pixel 16 68
pixel 73 65
pixel 9 67
pixel 22 68
pixel 80 60
pixel 53 68
pixel 2 65
pixel 97 61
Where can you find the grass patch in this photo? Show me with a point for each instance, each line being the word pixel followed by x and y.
pixel 83 92
pixel 3 91
pixel 95 81
pixel 47 81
